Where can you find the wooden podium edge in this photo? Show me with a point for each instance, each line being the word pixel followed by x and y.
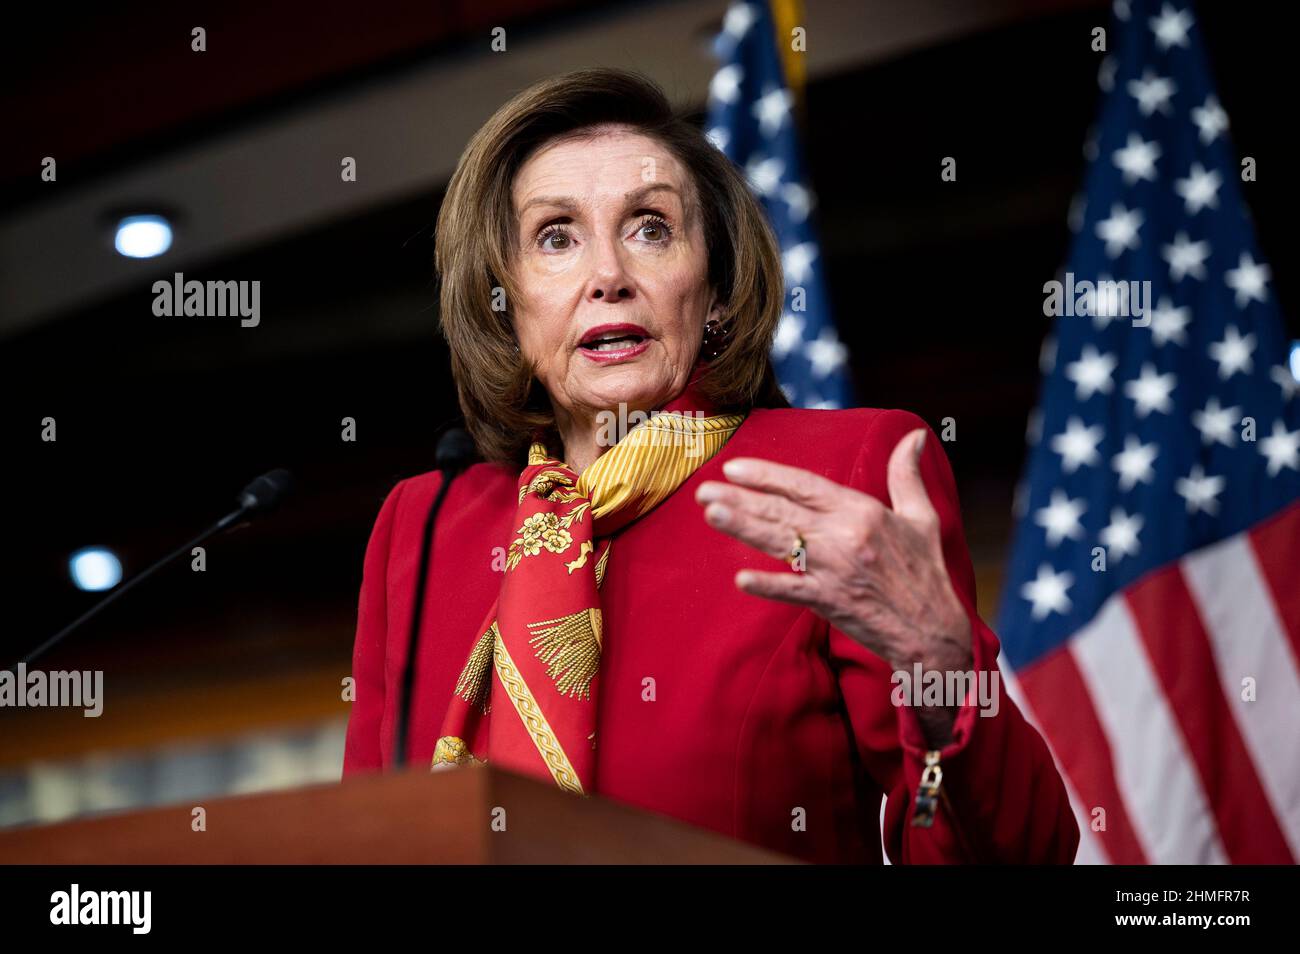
pixel 469 815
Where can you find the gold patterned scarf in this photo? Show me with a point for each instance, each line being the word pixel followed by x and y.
pixel 526 698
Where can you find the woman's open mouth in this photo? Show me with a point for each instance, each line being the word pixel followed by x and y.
pixel 614 342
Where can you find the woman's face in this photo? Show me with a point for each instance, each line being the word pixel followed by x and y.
pixel 610 245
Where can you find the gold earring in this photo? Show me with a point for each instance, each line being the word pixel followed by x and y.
pixel 715 339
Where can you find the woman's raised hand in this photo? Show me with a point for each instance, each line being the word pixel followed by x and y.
pixel 875 573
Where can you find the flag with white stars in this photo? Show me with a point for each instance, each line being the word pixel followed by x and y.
pixel 1152 608
pixel 751 120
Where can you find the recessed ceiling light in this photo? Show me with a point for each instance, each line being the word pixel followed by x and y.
pixel 95 569
pixel 143 236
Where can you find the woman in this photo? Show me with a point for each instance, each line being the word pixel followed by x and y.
pixel 665 585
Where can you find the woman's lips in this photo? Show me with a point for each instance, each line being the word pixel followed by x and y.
pixel 614 341
pixel 622 353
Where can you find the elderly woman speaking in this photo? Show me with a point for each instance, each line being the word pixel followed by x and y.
pixel 664 585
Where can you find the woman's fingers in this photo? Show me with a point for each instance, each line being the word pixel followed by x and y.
pixel 756 503
pixel 766 521
pixel 770 533
pixel 907 494
pixel 797 588
pixel 875 571
pixel 794 483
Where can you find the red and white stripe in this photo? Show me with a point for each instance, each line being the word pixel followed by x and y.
pixel 1148 714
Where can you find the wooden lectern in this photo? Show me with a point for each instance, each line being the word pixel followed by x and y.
pixel 415 817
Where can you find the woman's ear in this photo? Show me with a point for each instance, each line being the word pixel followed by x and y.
pixel 714 340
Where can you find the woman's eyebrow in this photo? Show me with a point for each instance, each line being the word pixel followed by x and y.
pixel 639 195
pixel 568 204
pixel 556 201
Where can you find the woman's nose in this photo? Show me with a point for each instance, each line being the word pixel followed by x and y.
pixel 615 291
pixel 609 280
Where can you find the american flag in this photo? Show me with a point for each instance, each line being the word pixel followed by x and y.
pixel 751 120
pixel 1152 613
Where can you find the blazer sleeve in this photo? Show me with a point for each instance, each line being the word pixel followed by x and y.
pixel 363 748
pixel 1003 800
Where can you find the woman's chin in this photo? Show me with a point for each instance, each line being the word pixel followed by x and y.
pixel 627 385
pixel 627 390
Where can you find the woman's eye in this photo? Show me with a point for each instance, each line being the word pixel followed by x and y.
pixel 553 239
pixel 655 230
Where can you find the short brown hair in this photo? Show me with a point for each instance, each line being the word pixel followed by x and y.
pixel 502 400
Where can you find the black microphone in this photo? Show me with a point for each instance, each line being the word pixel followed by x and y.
pixel 455 453
pixel 258 498
pixel 265 493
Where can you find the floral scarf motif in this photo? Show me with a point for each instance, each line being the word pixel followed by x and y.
pixel 527 695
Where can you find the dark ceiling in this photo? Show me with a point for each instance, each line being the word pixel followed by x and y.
pixel 112 84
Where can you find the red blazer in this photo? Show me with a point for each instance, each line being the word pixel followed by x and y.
pixel 765 723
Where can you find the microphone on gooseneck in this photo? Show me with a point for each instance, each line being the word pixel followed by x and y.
pixel 455 453
pixel 263 494
pixel 260 497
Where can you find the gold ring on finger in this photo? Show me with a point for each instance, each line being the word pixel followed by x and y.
pixel 798 557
